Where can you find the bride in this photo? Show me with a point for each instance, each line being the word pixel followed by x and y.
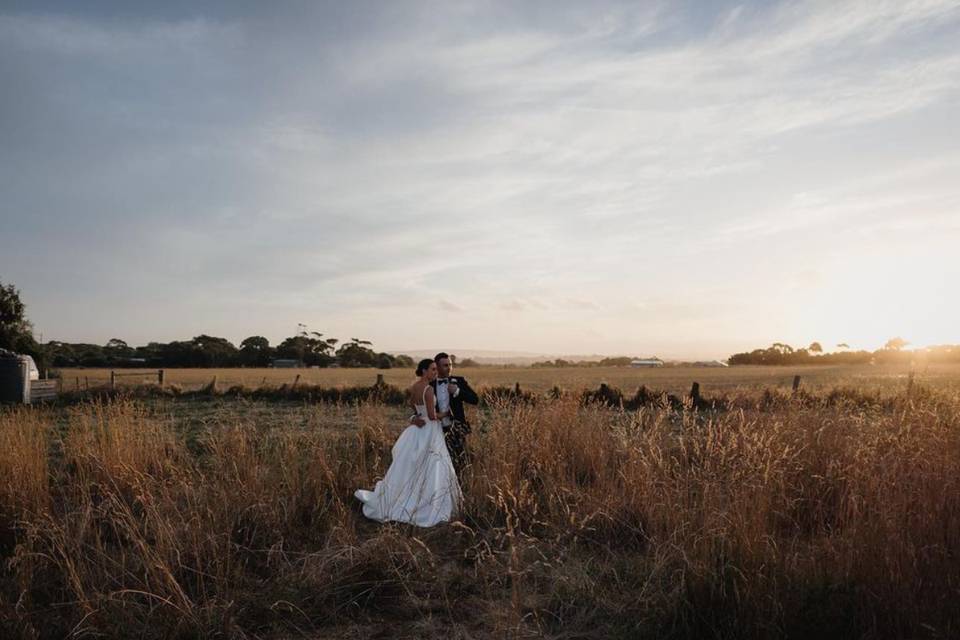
pixel 421 486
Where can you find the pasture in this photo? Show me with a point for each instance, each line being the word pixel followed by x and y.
pixel 672 379
pixel 831 514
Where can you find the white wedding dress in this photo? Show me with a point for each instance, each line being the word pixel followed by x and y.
pixel 421 486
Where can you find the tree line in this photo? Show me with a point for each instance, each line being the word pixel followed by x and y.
pixel 312 349
pixel 308 348
pixel 892 352
pixel 618 361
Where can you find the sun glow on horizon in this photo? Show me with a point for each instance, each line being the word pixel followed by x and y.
pixel 883 293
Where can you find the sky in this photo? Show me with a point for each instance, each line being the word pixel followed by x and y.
pixel 680 179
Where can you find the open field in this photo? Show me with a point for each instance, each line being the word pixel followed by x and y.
pixel 832 517
pixel 672 379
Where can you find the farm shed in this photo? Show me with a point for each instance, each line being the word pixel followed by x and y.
pixel 641 363
pixel 286 363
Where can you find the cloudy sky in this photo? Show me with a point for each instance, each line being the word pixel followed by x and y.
pixel 685 179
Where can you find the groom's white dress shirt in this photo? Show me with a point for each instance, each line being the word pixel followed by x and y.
pixel 443 400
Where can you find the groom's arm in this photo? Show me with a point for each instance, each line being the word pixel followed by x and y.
pixel 466 394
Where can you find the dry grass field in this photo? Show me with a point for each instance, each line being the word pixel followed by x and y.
pixel 672 379
pixel 831 515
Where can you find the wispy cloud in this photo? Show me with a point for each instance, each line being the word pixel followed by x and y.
pixel 485 158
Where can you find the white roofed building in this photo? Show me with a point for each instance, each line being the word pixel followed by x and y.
pixel 640 363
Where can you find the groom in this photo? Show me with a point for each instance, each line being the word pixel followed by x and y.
pixel 451 392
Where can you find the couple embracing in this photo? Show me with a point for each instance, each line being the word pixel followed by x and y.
pixel 421 485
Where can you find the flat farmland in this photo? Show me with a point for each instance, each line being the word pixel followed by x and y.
pixel 832 514
pixel 201 516
pixel 672 379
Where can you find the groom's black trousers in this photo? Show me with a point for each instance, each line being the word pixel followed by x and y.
pixel 456 437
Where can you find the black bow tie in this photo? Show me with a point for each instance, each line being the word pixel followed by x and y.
pixel 443 380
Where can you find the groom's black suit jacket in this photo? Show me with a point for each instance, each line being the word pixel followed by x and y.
pixel 466 394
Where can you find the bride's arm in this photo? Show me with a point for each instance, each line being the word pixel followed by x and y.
pixel 431 404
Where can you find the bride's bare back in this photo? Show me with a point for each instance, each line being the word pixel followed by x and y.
pixel 421 393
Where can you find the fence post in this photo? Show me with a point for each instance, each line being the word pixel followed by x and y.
pixel 695 393
pixel 380 382
pixel 113 379
pixel 78 383
pixel 23 371
pixel 296 380
pixel 796 384
pixel 160 377
pixel 516 388
pixel 910 383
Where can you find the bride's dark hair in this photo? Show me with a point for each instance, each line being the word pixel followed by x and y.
pixel 423 366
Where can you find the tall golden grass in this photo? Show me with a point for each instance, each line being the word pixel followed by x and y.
pixel 788 518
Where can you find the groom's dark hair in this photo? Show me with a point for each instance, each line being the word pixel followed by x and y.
pixel 440 356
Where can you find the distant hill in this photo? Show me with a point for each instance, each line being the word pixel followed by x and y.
pixel 482 356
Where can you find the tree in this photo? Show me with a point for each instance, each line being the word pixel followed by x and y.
pixel 61 354
pixel 14 326
pixel 179 353
pixel 255 351
pixel 815 347
pixel 843 345
pixel 153 354
pixel 403 361
pixel 309 348
pixel 776 354
pixel 117 349
pixel 357 353
pixel 16 332
pixel 211 351
pixel 895 344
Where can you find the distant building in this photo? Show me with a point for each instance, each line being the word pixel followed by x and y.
pixel 286 363
pixel 646 363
